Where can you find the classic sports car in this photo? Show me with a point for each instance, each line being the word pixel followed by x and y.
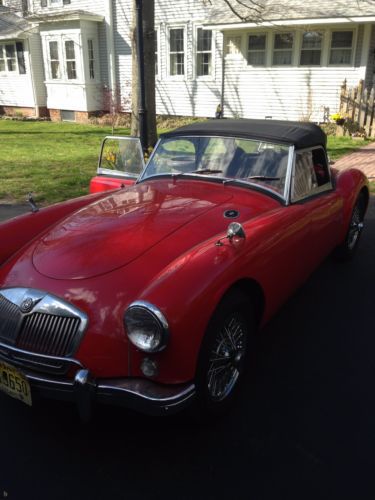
pixel 148 296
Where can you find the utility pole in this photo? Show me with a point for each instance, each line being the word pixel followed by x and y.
pixel 142 111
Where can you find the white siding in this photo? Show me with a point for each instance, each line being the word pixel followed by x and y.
pixel 188 96
pixel 16 89
pixel 36 57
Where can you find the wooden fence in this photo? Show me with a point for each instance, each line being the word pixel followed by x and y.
pixel 357 104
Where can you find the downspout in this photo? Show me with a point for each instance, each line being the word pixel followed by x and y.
pixel 111 52
pixel 37 111
pixel 223 76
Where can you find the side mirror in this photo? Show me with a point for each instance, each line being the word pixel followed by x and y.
pixel 235 229
pixel 235 233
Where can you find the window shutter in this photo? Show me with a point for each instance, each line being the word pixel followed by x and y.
pixel 20 58
pixel 43 3
pixel 66 2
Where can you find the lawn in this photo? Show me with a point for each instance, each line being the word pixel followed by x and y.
pixel 57 160
pixel 53 160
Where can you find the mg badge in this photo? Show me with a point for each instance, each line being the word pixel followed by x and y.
pixel 27 305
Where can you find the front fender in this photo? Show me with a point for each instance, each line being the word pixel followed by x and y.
pixel 19 231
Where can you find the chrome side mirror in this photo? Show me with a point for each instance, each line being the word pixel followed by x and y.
pixel 235 230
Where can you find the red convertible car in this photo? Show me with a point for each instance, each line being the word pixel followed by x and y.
pixel 148 296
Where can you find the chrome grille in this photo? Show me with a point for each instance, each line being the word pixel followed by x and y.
pixel 10 321
pixel 38 330
pixel 48 334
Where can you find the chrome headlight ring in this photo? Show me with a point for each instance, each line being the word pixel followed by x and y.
pixel 146 326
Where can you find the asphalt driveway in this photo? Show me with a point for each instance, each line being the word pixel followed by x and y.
pixel 304 428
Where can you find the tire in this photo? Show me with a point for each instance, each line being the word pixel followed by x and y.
pixel 349 247
pixel 224 356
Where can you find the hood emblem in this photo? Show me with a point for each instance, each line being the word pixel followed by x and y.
pixel 27 305
pixel 231 214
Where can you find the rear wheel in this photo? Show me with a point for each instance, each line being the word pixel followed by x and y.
pixel 348 248
pixel 224 354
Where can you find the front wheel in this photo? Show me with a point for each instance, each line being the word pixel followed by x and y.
pixel 224 355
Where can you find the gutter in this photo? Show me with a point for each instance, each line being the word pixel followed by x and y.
pixel 290 22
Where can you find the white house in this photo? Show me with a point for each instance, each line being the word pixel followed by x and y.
pixel 285 60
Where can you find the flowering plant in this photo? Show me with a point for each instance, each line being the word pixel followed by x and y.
pixel 338 118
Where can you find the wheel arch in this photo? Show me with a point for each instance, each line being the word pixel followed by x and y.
pixel 251 289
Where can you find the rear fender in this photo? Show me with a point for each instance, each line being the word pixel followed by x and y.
pixel 349 183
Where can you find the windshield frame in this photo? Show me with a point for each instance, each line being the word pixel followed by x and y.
pixel 284 196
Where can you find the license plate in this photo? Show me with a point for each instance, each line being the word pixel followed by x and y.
pixel 14 383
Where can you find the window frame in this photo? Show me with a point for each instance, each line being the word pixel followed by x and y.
pixel 91 59
pixel 211 73
pixel 182 76
pixel 266 49
pixel 233 55
pixel 292 49
pixel 317 190
pixel 81 60
pixel 352 48
pixel 5 58
pixel 322 48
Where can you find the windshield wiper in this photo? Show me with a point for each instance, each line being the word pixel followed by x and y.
pixel 262 178
pixel 205 171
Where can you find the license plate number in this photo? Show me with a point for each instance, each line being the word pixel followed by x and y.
pixel 14 383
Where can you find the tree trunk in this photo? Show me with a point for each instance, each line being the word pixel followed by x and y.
pixel 149 61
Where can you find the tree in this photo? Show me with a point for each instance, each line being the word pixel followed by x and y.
pixel 148 30
pixel 245 10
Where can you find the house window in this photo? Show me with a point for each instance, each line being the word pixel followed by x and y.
pixel 91 59
pixel 204 52
pixel 256 50
pixel 177 51
pixel 233 45
pixel 311 48
pixel 283 49
pixel 341 47
pixel 71 69
pixel 8 57
pixel 54 60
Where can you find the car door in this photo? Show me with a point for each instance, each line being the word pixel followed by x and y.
pixel 312 186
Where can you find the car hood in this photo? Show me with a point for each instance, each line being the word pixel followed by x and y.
pixel 119 228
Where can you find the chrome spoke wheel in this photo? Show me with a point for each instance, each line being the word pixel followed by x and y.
pixel 226 358
pixel 356 226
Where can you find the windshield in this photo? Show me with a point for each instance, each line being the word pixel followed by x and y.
pixel 242 160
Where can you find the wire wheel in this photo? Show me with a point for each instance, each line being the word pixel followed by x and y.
pixel 355 228
pixel 226 358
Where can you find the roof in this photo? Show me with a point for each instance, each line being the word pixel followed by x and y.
pixel 13 26
pixel 270 10
pixel 71 15
pixel 299 134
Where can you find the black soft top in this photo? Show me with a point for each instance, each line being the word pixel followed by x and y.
pixel 299 134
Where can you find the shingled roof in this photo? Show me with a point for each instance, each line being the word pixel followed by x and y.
pixel 278 10
pixel 12 26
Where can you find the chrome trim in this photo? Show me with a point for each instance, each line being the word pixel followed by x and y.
pixel 141 395
pixel 45 303
pixel 140 178
pixel 288 178
pixel 142 304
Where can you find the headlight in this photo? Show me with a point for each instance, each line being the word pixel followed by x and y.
pixel 146 326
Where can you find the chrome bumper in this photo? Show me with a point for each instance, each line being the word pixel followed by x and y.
pixel 141 395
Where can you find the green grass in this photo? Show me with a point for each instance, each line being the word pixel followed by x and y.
pixel 340 146
pixel 57 160
pixel 53 160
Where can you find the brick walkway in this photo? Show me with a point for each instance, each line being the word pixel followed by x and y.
pixel 363 159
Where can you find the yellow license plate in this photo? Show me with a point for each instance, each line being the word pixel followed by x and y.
pixel 14 383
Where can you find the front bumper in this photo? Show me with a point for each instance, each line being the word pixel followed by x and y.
pixel 84 390
pixel 141 395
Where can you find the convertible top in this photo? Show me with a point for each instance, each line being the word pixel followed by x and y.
pixel 299 134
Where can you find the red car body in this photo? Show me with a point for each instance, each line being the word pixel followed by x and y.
pixel 158 242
